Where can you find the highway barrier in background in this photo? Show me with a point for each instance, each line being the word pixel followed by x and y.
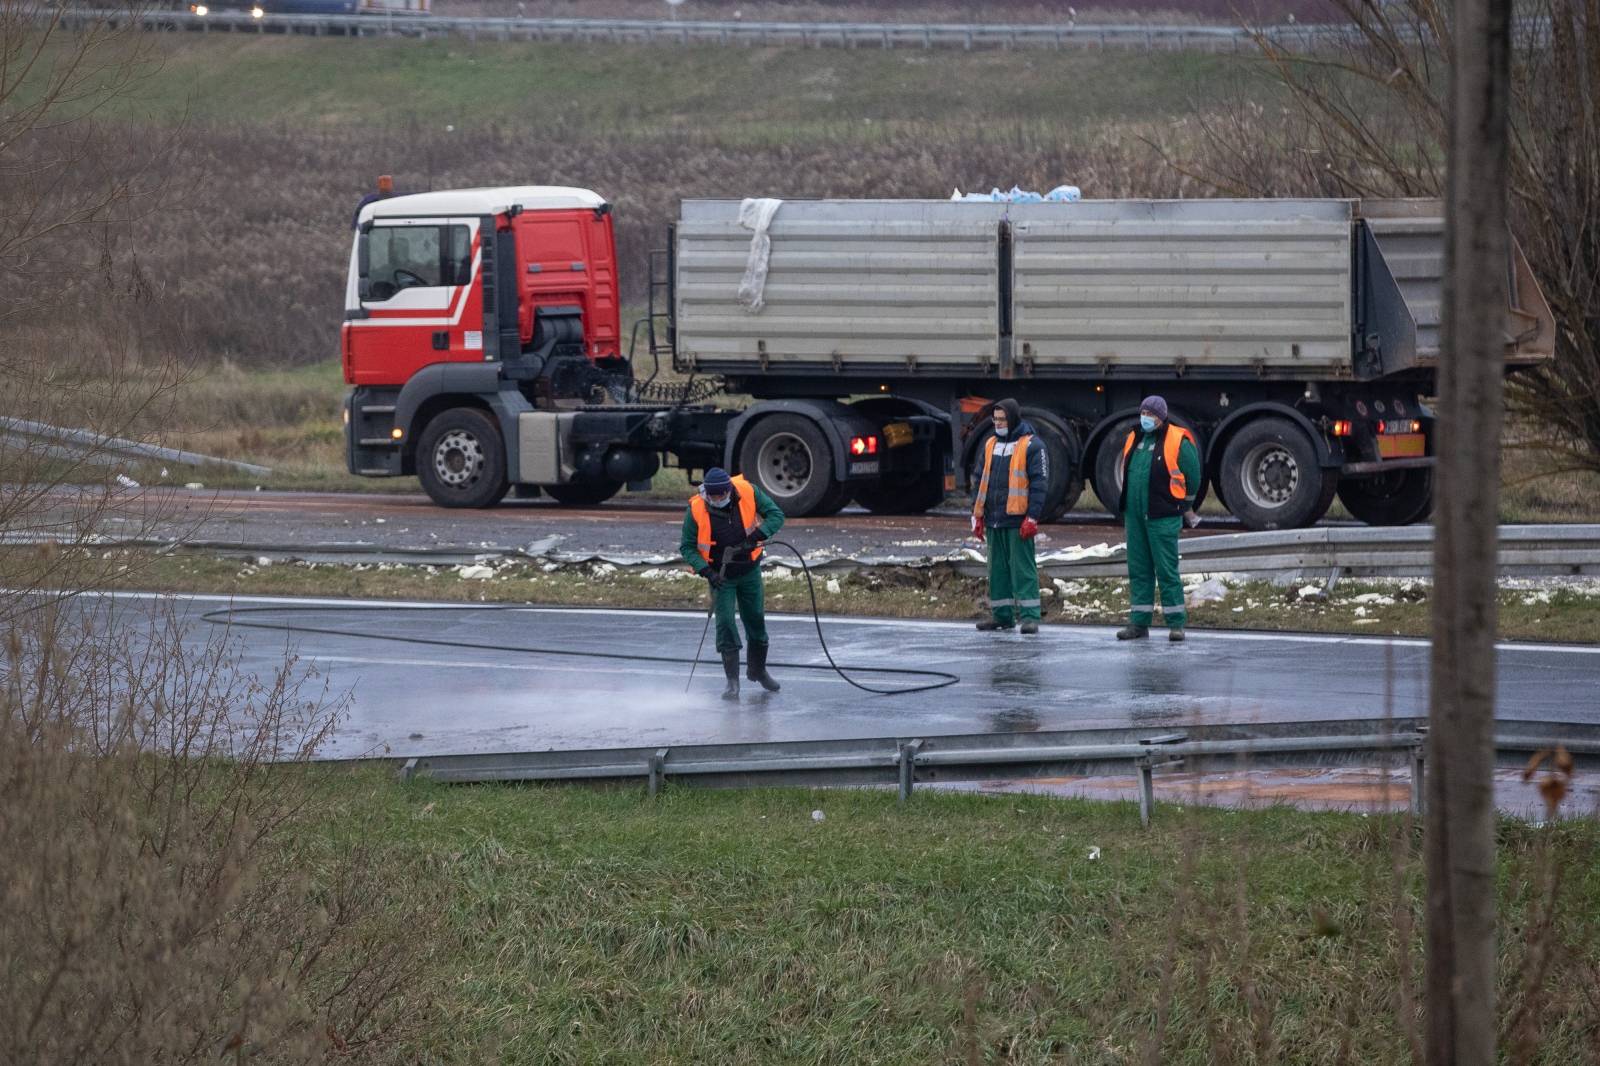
pixel 883 35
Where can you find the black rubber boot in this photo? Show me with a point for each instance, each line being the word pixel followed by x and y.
pixel 1030 627
pixel 756 668
pixel 1175 634
pixel 991 626
pixel 1133 632
pixel 730 669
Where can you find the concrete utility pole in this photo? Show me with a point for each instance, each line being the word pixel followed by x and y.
pixel 1461 1020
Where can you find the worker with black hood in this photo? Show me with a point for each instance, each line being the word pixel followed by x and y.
pixel 727 520
pixel 1005 515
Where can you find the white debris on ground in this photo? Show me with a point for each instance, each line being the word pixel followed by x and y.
pixel 1084 551
pixel 127 482
pixel 832 585
pixel 675 573
pixel 1211 590
pixel 475 572
pixel 193 486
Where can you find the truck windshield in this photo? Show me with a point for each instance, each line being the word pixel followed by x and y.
pixel 409 257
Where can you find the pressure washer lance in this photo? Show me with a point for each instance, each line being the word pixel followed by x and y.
pixel 945 680
pixel 711 610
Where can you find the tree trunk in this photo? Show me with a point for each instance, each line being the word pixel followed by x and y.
pixel 1460 808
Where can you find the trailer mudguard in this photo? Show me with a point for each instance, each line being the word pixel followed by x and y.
pixel 477 382
pixel 837 422
pixel 1326 457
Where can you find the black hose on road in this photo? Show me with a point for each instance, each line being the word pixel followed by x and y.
pixel 231 616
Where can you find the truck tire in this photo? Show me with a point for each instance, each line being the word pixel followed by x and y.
pixel 461 460
pixel 1397 498
pixel 1272 477
pixel 583 493
pixel 1066 484
pixel 788 458
pixel 1108 467
pixel 907 494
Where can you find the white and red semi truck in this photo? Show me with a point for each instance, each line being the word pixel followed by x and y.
pixel 484 345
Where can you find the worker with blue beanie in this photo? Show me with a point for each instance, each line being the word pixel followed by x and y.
pixel 726 522
pixel 1160 480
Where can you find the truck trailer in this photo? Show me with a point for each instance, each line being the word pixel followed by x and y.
pixel 1298 340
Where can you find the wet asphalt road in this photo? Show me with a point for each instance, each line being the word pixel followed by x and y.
pixel 462 695
pixel 622 527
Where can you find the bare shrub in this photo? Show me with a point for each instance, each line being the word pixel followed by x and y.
pixel 1368 119
pixel 157 907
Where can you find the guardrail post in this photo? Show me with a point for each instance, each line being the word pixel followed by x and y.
pixel 409 770
pixel 1146 765
pixel 908 759
pixel 657 771
pixel 1419 768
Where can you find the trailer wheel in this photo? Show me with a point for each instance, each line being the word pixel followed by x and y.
pixel 1272 476
pixel 583 493
pixel 789 458
pixel 1107 475
pixel 1397 498
pixel 906 494
pixel 461 460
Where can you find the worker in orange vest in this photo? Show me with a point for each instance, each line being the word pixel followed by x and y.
pixel 1005 515
pixel 727 520
pixel 1160 479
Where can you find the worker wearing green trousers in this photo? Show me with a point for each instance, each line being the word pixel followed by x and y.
pixel 1005 516
pixel 1160 478
pixel 723 528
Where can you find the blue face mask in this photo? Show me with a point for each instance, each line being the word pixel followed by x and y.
pixel 718 501
pixel 1001 431
pixel 1147 423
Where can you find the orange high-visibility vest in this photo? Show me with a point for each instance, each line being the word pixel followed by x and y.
pixel 1016 481
pixel 1177 484
pixel 702 517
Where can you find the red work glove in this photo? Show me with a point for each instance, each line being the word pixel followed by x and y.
pixel 1030 529
pixel 977 526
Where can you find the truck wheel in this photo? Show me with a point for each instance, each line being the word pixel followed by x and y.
pixel 789 459
pixel 583 493
pixel 906 494
pixel 1397 498
pixel 1108 467
pixel 1272 477
pixel 461 460
pixel 1063 453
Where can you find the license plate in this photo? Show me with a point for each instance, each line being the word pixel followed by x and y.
pixel 898 434
pixel 1402 445
pixel 863 468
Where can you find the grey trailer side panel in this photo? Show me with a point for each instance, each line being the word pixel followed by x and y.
pixel 856 284
pixel 1198 283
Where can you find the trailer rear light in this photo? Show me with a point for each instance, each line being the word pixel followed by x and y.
pixel 257 12
pixel 1400 426
pixel 863 445
pixel 1343 428
pixel 200 9
pixel 397 433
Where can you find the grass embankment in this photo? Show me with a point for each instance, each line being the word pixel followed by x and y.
pixel 731 927
pixel 761 95
pixel 1390 609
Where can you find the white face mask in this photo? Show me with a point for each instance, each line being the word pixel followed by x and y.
pixel 1001 431
pixel 719 501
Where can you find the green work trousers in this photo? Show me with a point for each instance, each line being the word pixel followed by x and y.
pixel 1013 577
pixel 750 595
pixel 1152 561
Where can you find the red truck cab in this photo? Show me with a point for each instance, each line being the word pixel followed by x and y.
pixel 465 276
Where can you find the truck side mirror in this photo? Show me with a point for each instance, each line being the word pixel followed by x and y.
pixel 363 266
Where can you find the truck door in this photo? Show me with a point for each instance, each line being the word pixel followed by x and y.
pixel 413 299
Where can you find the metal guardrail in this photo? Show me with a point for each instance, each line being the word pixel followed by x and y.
pixel 886 35
pixel 95 447
pixel 904 762
pixel 1361 551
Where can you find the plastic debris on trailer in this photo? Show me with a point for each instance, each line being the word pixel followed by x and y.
pixel 1061 194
